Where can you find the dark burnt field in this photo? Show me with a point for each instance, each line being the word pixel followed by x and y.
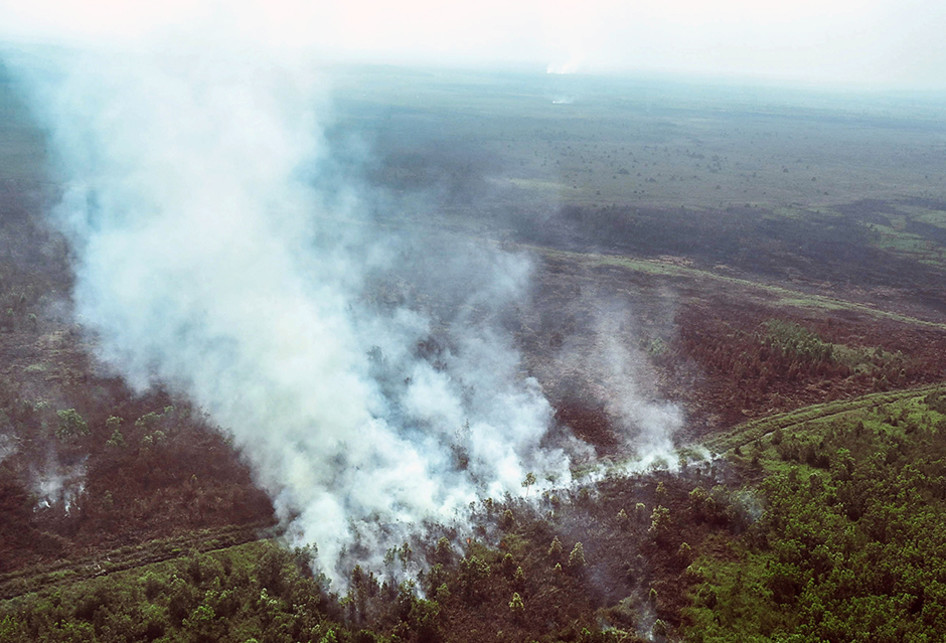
pixel 749 254
pixel 678 214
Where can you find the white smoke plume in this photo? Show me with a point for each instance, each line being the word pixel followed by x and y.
pixel 208 262
pixel 610 367
pixel 8 444
pixel 358 359
pixel 58 486
pixel 647 425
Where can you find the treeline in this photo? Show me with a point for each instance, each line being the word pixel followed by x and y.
pixel 602 564
pixel 266 593
pixel 257 591
pixel 850 545
pixel 775 364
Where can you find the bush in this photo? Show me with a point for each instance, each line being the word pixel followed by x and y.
pixel 516 605
pixel 71 425
pixel 576 559
pixel 555 550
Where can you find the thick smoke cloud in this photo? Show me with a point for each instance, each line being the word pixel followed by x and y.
pixel 222 250
pixel 208 262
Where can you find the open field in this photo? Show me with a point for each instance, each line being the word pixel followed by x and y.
pixel 771 262
pixel 658 143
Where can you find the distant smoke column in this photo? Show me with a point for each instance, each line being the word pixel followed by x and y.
pixel 207 262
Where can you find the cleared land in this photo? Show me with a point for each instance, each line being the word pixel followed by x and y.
pixel 777 261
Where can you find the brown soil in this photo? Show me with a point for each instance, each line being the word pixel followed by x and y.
pixel 712 359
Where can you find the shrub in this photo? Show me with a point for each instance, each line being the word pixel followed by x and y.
pixel 576 559
pixel 71 425
pixel 516 604
pixel 555 549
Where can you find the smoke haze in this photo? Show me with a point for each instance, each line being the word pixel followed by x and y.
pixel 207 262
pixel 221 251
pixel 863 43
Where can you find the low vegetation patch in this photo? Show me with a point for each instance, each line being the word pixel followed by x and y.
pixel 850 544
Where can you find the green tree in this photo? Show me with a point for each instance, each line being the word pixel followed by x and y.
pixel 659 524
pixel 71 425
pixel 473 571
pixel 117 440
pixel 556 551
pixel 529 481
pixel 576 559
pixel 517 606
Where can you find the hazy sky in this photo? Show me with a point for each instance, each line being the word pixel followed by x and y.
pixel 869 43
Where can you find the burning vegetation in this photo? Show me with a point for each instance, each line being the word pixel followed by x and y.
pixel 389 377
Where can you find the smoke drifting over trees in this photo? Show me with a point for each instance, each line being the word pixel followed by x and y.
pixel 208 260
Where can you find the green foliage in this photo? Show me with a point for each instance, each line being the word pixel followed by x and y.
pixel 71 425
pixel 850 540
pixel 529 480
pixel 659 523
pixel 519 578
pixel 796 341
pixel 576 559
pixel 556 551
pixel 148 421
pixel 473 570
pixel 200 597
pixel 516 604
pixel 11 629
pixel 936 401
pixel 508 564
pixel 660 491
pixel 404 553
pixel 423 619
pixel 117 440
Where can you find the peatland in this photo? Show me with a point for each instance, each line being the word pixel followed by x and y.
pixel 776 259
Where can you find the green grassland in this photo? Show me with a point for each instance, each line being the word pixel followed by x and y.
pixel 745 434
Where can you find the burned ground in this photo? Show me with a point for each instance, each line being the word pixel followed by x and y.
pixel 732 311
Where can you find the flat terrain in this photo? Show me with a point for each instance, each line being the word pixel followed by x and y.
pixel 773 262
pixel 697 212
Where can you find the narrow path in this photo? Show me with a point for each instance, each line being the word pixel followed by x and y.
pixel 46 576
pixel 747 432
